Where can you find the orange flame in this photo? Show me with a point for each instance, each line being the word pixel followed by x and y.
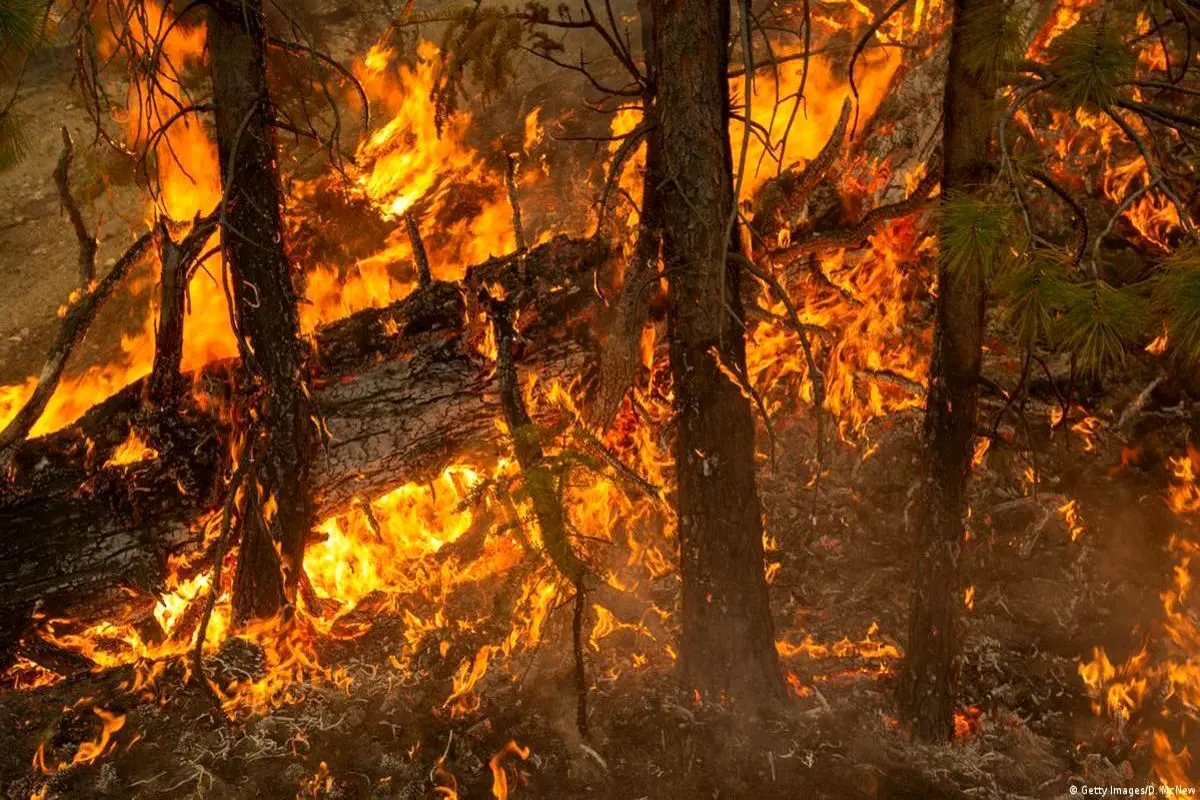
pixel 499 776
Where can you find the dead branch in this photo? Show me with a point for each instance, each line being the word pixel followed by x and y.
pixel 510 181
pixel 862 44
pixel 857 233
pixel 1135 409
pixel 539 482
pixel 617 165
pixel 815 170
pixel 815 374
pixel 420 257
pixel 78 318
pixel 789 189
pixel 1081 223
pixel 223 541
pixel 895 378
pixel 329 61
pixel 538 478
pixel 88 244
pixel 176 260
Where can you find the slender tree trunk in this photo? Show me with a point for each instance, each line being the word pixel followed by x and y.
pixel 265 308
pixel 619 358
pixel 166 383
pixel 927 679
pixel 727 647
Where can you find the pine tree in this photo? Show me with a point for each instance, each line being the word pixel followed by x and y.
pixel 971 230
pixel 727 647
pixel 20 32
pixel 265 310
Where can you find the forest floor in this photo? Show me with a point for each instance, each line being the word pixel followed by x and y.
pixel 1041 602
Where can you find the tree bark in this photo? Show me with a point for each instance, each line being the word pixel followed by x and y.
pixel 400 389
pixel 265 305
pixel 927 679
pixel 166 383
pixel 727 647
pixel 619 359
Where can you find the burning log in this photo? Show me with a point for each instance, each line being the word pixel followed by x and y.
pixel 400 389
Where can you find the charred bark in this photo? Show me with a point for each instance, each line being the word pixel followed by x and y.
pixel 927 679
pixel 400 389
pixel 264 297
pixel 727 647
pixel 176 260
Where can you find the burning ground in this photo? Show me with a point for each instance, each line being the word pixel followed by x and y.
pixel 436 646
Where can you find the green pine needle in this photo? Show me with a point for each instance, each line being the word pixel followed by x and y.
pixel 993 39
pixel 975 235
pixel 1177 297
pixel 1091 62
pixel 1101 323
pixel 13 143
pixel 20 27
pixel 481 42
pixel 1035 292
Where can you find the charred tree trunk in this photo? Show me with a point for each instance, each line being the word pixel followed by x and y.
pixel 927 679
pixel 265 304
pixel 727 646
pixel 166 382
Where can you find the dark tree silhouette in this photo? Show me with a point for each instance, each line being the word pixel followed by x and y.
pixel 926 690
pixel 727 646
pixel 264 301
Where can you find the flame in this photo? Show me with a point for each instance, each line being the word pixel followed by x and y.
pixel 131 451
pixel 966 722
pixel 1070 514
pixel 89 751
pixel 875 334
pixel 868 648
pixel 1173 674
pixel 816 118
pixel 403 552
pixel 462 700
pixel 499 776
pixel 319 784
pixel 1159 345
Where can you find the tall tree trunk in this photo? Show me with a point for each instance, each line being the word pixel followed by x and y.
pixel 727 646
pixel 927 679
pixel 265 308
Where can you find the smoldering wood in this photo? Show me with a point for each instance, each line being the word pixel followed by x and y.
pixel 402 392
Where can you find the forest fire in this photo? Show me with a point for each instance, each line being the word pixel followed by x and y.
pixel 437 379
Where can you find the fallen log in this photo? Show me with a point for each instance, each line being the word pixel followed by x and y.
pixel 401 390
